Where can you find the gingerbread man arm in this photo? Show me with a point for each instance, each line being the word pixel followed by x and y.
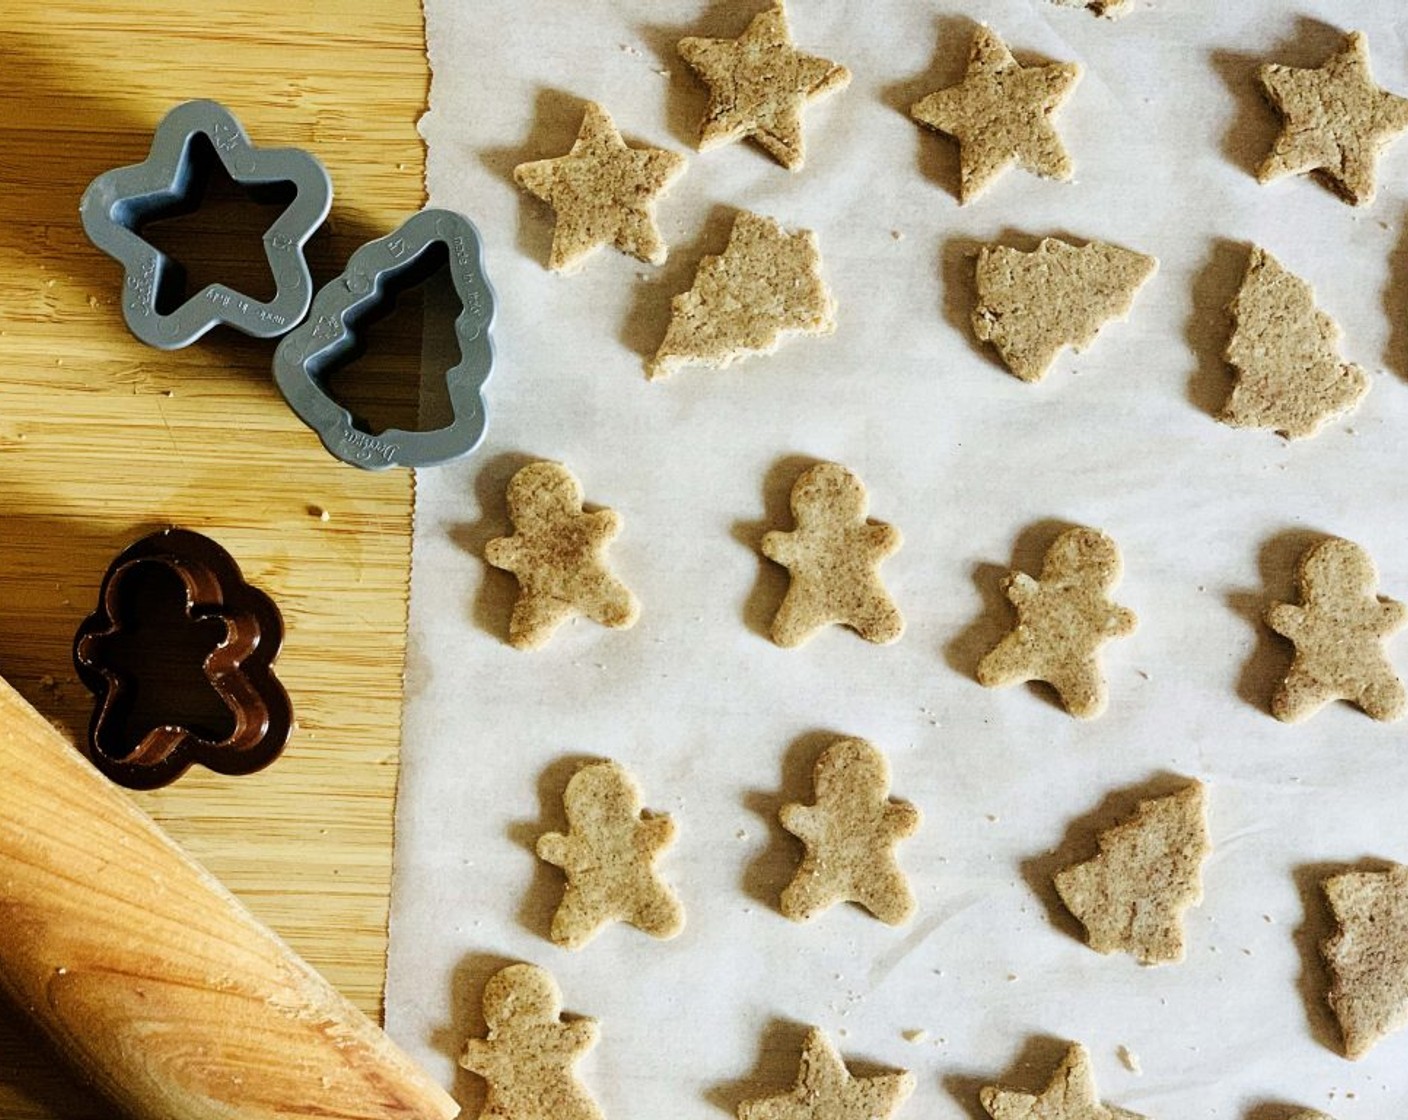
pixel 503 552
pixel 902 819
pixel 1020 588
pixel 560 850
pixel 1286 619
pixel 654 834
pixel 603 523
pixel 1122 622
pixel 481 1056
pixel 778 547
pixel 884 538
pixel 798 819
pixel 1392 615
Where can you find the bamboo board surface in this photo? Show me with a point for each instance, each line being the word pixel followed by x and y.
pixel 103 439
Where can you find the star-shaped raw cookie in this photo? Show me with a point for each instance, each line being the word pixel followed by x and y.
pixel 1063 619
pixel 1131 897
pixel 825 1090
pixel 1337 121
pixel 558 554
pixel 603 192
pixel 850 834
pixel 529 1053
pixel 608 854
pixel 1069 1095
pixel 766 285
pixel 758 85
pixel 1284 351
pixel 1000 114
pixel 1031 305
pixel 834 558
pixel 1368 955
pixel 1339 631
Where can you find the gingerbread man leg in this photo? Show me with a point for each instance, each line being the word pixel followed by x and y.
pixel 1080 686
pixel 535 617
pixel 578 918
pixel 1383 698
pixel 887 896
pixel 1299 696
pixel 610 603
pixel 807 896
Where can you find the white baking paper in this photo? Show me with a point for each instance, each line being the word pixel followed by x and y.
pixel 978 470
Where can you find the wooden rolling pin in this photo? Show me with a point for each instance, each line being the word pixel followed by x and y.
pixel 158 986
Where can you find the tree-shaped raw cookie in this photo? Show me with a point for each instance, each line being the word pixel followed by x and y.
pixel 1337 121
pixel 850 835
pixel 1338 631
pixel 1368 954
pixel 1285 354
pixel 558 554
pixel 1132 896
pixel 603 192
pixel 765 286
pixel 759 84
pixel 1069 1095
pixel 608 855
pixel 1032 305
pixel 1063 619
pixel 825 1090
pixel 834 558
pixel 1000 114
pixel 528 1055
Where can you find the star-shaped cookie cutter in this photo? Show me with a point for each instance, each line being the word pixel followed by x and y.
pixel 328 340
pixel 117 202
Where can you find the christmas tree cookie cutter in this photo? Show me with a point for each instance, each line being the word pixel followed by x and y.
pixel 169 181
pixel 328 340
pixel 244 630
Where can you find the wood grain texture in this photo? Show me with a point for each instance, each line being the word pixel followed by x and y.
pixel 102 439
pixel 149 975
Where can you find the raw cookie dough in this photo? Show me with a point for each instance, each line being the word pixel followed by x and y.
pixel 608 854
pixel 603 192
pixel 1069 1095
pixel 758 86
pixel 850 834
pixel 1336 121
pixel 1132 896
pixel 825 1090
pixel 1032 305
pixel 766 285
pixel 1284 352
pixel 834 558
pixel 558 554
pixel 1063 619
pixel 1000 114
pixel 1339 632
pixel 529 1053
pixel 1368 954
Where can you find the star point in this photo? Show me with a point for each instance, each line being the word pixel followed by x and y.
pixel 758 85
pixel 1000 114
pixel 603 192
pixel 1069 1095
pixel 1337 120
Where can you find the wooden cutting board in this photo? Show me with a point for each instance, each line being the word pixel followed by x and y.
pixel 103 439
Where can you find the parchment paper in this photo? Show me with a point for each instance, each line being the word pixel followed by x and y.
pixel 979 471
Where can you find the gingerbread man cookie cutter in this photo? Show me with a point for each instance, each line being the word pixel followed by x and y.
pixel 328 340
pixel 171 180
pixel 245 631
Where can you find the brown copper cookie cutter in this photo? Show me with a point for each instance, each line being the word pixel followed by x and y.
pixel 203 589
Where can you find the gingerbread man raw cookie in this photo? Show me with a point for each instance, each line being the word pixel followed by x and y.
pixel 1000 114
pixel 1338 631
pixel 608 854
pixel 1069 1095
pixel 1368 954
pixel 1032 305
pixel 758 86
pixel 603 192
pixel 1063 619
pixel 528 1055
pixel 850 834
pixel 825 1090
pixel 1132 896
pixel 834 556
pixel 558 554
pixel 765 286
pixel 1336 121
pixel 1284 351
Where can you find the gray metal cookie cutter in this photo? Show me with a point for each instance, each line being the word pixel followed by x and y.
pixel 327 340
pixel 171 178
